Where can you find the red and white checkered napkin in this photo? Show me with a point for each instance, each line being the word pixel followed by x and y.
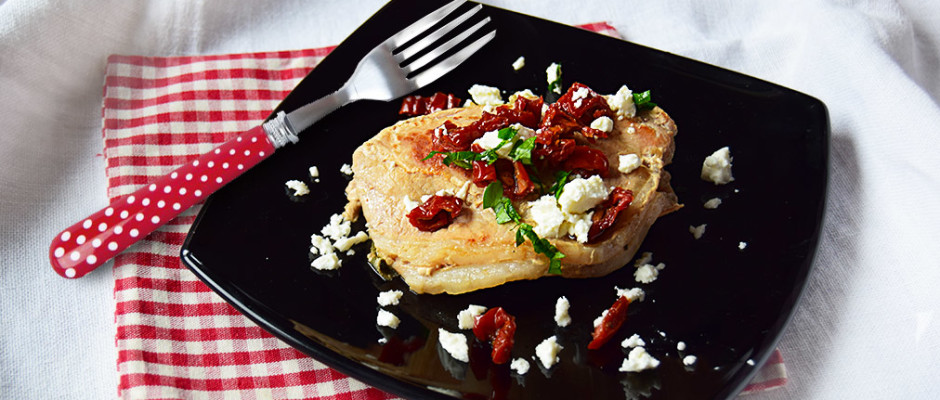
pixel 175 337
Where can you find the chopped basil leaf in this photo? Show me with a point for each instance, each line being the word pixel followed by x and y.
pixel 543 246
pixel 643 100
pixel 506 133
pixel 554 86
pixel 432 154
pixel 519 237
pixel 492 194
pixel 523 151
pixel 561 178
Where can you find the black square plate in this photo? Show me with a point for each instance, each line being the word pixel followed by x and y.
pixel 250 242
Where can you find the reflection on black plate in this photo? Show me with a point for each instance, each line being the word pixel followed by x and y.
pixel 728 305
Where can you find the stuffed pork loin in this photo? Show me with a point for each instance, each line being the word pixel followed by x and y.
pixel 470 198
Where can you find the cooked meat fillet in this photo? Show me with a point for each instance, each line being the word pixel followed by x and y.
pixel 474 252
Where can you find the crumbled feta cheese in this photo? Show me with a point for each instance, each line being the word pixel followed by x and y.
pixel 521 366
pixel 680 346
pixel 327 262
pixel 621 103
pixel 337 228
pixel 522 93
pixel 389 297
pixel 314 172
pixel 388 319
pixel 713 203
pixel 647 273
pixel 628 163
pixel 551 222
pixel 750 362
pixel 519 63
pixel 598 320
pixel 350 252
pixel 320 245
pixel 298 187
pixel 689 360
pixel 382 340
pixel 346 169
pixel 581 194
pixel 552 74
pixel 717 167
pixel 561 311
pixel 491 139
pixel 455 344
pixel 661 333
pixel 409 203
pixel 603 123
pixel 344 243
pixel 742 245
pixel 547 351
pixel 638 360
pixel 466 317
pixel 697 231
pixel 634 294
pixel 485 95
pixel 632 341
pixel 580 94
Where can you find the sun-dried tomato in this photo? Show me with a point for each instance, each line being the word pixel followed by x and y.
pixel 515 178
pixel 557 124
pixel 585 109
pixel 524 111
pixel 610 324
pixel 435 213
pixel 450 137
pixel 483 173
pixel 605 214
pixel 586 161
pixel 497 326
pixel 418 105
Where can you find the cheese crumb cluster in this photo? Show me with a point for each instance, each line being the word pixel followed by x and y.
pixel 621 103
pixel 628 162
pixel 485 95
pixel 299 188
pixel 638 360
pixel 338 231
pixel 547 351
pixel 518 64
pixel 389 297
pixel 712 203
pixel 647 273
pixel 561 312
pixel 314 173
pixel 466 317
pixel 388 319
pixel 632 341
pixel 346 169
pixel 455 344
pixel 717 167
pixel 520 365
pixel 697 231
pixel 568 215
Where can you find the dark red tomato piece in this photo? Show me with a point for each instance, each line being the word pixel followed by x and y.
pixel 586 161
pixel 450 137
pixel 515 178
pixel 557 124
pixel 523 111
pixel 498 327
pixel 436 213
pixel 605 214
pixel 610 324
pixel 418 105
pixel 483 173
pixel 584 104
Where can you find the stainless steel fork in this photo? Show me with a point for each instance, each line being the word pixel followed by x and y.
pixel 383 74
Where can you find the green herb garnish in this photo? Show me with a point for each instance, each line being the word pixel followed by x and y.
pixel 506 212
pixel 523 151
pixel 643 101
pixel 554 85
pixel 561 178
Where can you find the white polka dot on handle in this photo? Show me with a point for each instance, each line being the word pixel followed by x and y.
pixel 59 252
pixel 204 178
pixel 134 232
pixel 102 227
pixel 145 202
pixel 198 193
pixel 196 163
pixel 218 180
pixel 131 199
pixel 254 139
pixel 80 239
pixel 161 204
pixel 238 139
pixel 224 165
pixel 70 272
pixel 155 219
pixel 108 212
pixel 174 175
pixel 91 259
pixel 231 152
pixel 260 154
pixel 182 191
pixel 75 255
pixel 139 217
pixel 152 187
pixel 176 206
pixel 210 164
pixel 241 166
pixel 86 224
pixel 217 151
pixel 118 230
pixel 124 214
pixel 112 246
pixel 167 189
pixel 65 236
pixel 247 153
pixel 96 243
pixel 189 177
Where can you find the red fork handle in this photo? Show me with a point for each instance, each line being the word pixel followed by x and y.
pixel 82 247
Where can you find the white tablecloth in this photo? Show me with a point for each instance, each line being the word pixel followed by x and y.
pixel 868 325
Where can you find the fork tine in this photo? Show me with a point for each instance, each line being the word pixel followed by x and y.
pixel 416 47
pixel 422 24
pixel 430 56
pixel 446 65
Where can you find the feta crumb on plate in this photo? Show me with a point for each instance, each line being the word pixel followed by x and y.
pixel 633 294
pixel 314 172
pixel 638 360
pixel 337 228
pixel 485 95
pixel 521 366
pixel 581 194
pixel 455 344
pixel 389 297
pixel 388 319
pixel 697 231
pixel 680 346
pixel 742 245
pixel 561 312
pixel 552 75
pixel 713 203
pixel 547 351
pixel 466 317
pixel 327 262
pixel 647 273
pixel 298 187
pixel 346 169
pixel 689 360
pixel 344 243
pixel 717 167
pixel 632 341
pixel 519 63
pixel 603 123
